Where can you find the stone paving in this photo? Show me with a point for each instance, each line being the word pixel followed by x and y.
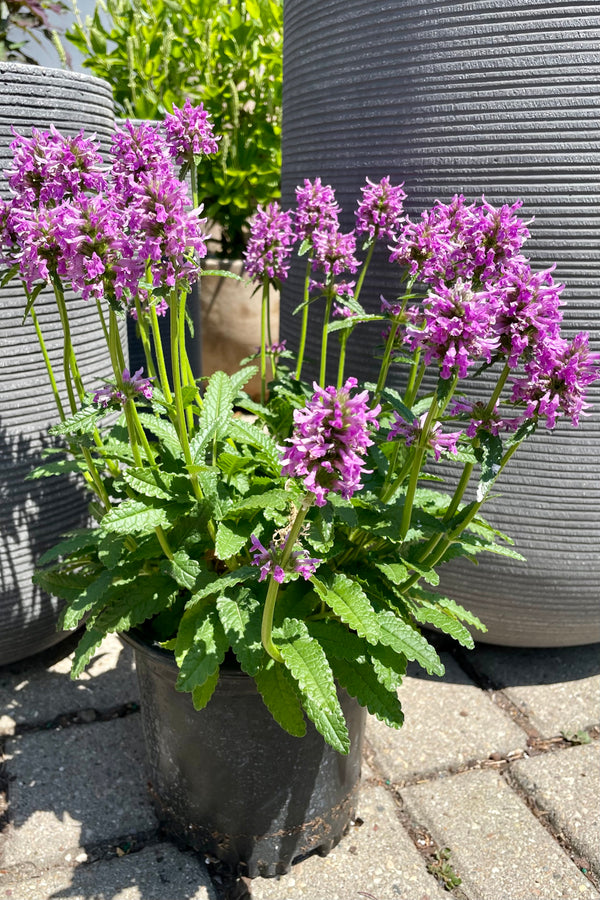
pixel 489 792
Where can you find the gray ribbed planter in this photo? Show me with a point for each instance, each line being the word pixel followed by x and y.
pixel 494 98
pixel 33 514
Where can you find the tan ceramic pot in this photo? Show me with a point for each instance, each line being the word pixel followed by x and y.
pixel 231 321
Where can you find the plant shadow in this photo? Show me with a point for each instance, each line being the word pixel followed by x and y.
pixel 34 515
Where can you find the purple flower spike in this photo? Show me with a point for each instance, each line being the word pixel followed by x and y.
pixel 436 441
pixel 557 378
pixel 333 252
pixel 138 150
pixel 316 208
pixel 456 327
pixel 50 167
pixel 381 210
pixel 189 132
pixel 331 436
pixel 270 243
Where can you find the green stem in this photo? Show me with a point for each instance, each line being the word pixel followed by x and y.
pixel 414 381
pixel 266 632
pixel 142 324
pixel 67 347
pixel 183 367
pixel 416 468
pixel 344 335
pixel 304 327
pixel 49 368
pixel 263 340
pixel 325 335
pixel 365 266
pixel 160 356
pixel 497 391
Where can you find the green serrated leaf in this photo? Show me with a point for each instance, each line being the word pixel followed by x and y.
pixel 241 617
pixel 279 694
pixel 149 482
pixel 247 433
pixel 57 467
pixel 201 645
pixel 489 455
pixel 110 548
pixel 83 421
pixel 361 682
pixel 231 538
pixel 338 641
pixel 404 638
pixel 217 586
pixel 307 662
pixel 183 569
pixel 85 651
pixel 137 600
pixel 66 585
pixel 217 408
pixel 93 596
pixel 165 431
pixel 428 574
pixel 72 543
pixel 348 601
pixel 275 499
pixel 202 693
pixel 397 573
pixel 420 594
pixel 446 622
pixel 134 517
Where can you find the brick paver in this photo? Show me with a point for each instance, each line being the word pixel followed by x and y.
pixel 73 787
pixel 77 787
pixel 448 722
pixel 558 689
pixel 566 785
pixel 377 857
pixel 39 695
pixel 160 872
pixel 499 849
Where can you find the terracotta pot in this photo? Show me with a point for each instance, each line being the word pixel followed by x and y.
pixel 231 313
pixel 230 782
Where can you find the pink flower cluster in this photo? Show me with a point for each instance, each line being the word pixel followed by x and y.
pixel 133 385
pixel 412 433
pixel 269 561
pixel 329 441
pixel 103 228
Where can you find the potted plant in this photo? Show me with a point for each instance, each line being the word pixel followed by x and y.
pixel 285 549
pixel 227 56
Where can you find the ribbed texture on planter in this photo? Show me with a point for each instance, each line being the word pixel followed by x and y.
pixel 35 513
pixel 486 97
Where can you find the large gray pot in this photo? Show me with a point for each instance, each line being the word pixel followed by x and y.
pixel 33 514
pixel 494 98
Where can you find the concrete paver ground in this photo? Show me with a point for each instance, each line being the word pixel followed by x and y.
pixel 79 825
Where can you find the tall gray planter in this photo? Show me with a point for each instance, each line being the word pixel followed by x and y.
pixel 33 514
pixel 494 98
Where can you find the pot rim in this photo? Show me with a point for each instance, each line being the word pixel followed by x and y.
pixel 166 658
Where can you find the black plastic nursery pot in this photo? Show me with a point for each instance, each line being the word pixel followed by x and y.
pixel 228 781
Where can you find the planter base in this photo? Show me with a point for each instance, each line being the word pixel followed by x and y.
pixel 229 782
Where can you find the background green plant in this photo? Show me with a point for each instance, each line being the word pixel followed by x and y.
pixel 30 18
pixel 227 55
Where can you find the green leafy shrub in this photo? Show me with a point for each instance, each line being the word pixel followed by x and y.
pixel 30 18
pixel 227 55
